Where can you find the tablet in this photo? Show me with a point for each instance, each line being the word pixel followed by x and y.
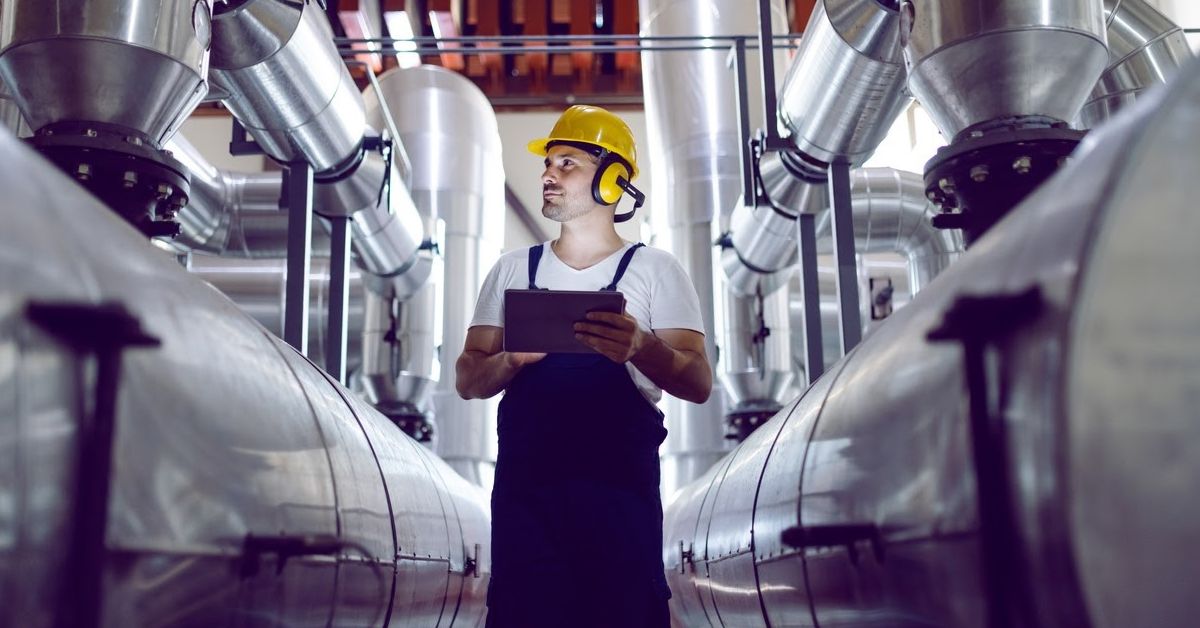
pixel 543 321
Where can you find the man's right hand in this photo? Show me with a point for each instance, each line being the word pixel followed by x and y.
pixel 485 368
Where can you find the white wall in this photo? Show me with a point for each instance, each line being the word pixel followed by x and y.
pixel 210 135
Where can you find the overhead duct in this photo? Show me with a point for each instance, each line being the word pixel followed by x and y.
pixel 692 126
pixel 1000 80
pixel 846 85
pixel 230 213
pixel 1145 49
pixel 259 288
pixel 245 484
pixel 103 85
pixel 291 90
pixel 1023 496
pixel 450 131
pixel 892 215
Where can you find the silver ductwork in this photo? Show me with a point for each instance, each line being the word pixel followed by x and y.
pixel 1053 52
pixel 231 451
pixel 892 215
pixel 289 87
pixel 870 484
pixel 230 213
pixel 141 66
pixel 692 122
pixel 756 365
pixel 450 131
pixel 760 251
pixel 846 85
pixel 1144 49
pixel 259 288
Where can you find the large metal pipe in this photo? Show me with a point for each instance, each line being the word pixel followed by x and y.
pixel 955 71
pixel 290 88
pixel 1145 49
pixel 692 122
pixel 246 484
pixel 142 66
pixel 884 482
pixel 259 288
pixel 450 131
pixel 846 85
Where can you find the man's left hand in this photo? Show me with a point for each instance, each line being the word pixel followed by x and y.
pixel 616 336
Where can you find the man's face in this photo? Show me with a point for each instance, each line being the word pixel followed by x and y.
pixel 567 183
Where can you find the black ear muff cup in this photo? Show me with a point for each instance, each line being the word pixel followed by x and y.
pixel 605 188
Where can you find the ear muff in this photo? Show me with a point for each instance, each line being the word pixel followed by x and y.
pixel 605 188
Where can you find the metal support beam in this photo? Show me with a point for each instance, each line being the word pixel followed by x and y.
pixel 814 349
pixel 298 198
pixel 339 298
pixel 766 45
pixel 738 53
pixel 843 254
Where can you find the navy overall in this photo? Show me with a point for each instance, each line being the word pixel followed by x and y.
pixel 576 514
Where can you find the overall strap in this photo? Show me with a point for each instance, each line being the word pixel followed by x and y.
pixel 535 256
pixel 625 259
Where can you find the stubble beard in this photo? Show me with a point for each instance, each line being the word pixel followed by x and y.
pixel 561 211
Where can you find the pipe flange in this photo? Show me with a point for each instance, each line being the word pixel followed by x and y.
pixel 144 184
pixel 989 169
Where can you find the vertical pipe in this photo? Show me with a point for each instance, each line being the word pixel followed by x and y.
pixel 339 298
pixel 743 112
pixel 299 190
pixel 814 358
pixel 841 208
pixel 766 57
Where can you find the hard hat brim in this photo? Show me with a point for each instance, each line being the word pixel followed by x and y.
pixel 539 147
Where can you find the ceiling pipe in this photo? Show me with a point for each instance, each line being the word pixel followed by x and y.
pixel 1145 48
pixel 287 84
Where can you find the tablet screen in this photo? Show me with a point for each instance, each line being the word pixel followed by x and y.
pixel 543 321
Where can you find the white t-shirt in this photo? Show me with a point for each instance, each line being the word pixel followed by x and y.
pixel 658 292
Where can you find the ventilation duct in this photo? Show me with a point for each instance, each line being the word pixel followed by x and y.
pixel 1144 49
pixel 450 131
pixel 103 85
pixel 692 122
pixel 289 87
pixel 1000 80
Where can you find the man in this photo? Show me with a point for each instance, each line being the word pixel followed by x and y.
pixel 576 513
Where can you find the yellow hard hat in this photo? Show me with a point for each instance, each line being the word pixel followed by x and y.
pixel 592 125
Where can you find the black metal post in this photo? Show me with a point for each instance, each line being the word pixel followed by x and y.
pixel 743 112
pixel 339 297
pixel 843 254
pixel 814 348
pixel 766 51
pixel 298 199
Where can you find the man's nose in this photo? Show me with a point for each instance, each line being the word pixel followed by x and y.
pixel 548 176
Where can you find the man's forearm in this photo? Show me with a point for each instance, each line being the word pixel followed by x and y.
pixel 684 374
pixel 480 375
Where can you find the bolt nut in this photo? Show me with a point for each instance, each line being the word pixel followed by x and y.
pixel 977 134
pixel 1023 164
pixel 133 139
pixel 90 132
pixel 979 173
pixel 130 178
pixel 946 184
pixel 83 172
pixel 164 191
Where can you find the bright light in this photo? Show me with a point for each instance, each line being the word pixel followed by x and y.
pixel 400 28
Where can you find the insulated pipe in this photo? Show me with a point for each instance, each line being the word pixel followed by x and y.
pixel 1075 433
pixel 259 287
pixel 1145 49
pixel 450 131
pixel 756 365
pixel 954 69
pixel 289 87
pixel 230 213
pixel 846 85
pixel 692 122
pixel 891 215
pixel 246 484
